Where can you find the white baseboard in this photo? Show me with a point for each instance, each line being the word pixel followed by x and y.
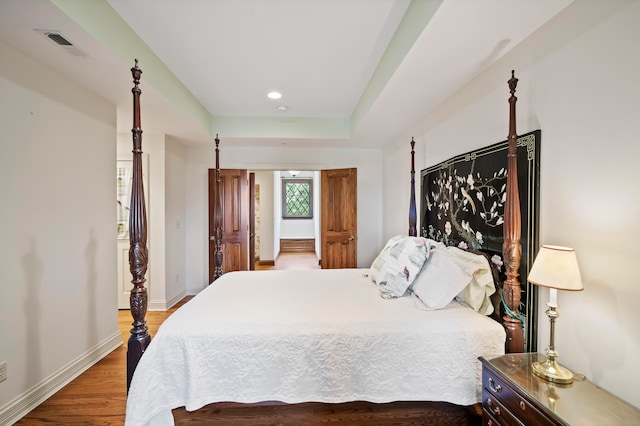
pixel 165 305
pixel 23 404
pixel 174 300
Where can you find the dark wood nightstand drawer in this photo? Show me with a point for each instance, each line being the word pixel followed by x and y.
pixel 497 387
pixel 499 413
pixel 534 401
pixel 489 420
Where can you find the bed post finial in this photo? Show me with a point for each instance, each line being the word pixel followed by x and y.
pixel 412 200
pixel 511 248
pixel 217 218
pixel 138 253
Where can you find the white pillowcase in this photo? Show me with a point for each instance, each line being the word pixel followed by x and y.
pixel 450 272
pixel 398 264
pixel 477 295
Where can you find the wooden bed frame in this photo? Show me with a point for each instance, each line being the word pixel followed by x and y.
pixel 138 253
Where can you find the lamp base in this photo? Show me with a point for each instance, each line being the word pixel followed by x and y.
pixel 552 371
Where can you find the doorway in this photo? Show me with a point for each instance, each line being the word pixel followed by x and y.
pixel 273 233
pixel 334 188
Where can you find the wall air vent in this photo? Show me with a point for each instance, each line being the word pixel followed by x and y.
pixel 63 42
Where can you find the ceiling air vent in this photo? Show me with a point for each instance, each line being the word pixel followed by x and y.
pixel 59 39
pixel 62 41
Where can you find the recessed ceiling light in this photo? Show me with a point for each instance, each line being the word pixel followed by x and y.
pixel 274 95
pixel 282 108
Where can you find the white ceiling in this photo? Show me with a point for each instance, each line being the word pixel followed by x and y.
pixel 353 73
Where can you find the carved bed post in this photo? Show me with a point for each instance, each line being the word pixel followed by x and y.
pixel 412 200
pixel 511 248
pixel 217 218
pixel 138 253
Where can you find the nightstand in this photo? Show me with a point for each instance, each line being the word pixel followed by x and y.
pixel 513 395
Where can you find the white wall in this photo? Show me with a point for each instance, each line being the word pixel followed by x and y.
pixel 579 85
pixel 277 213
pixel 58 299
pixel 297 228
pixel 175 221
pixel 367 161
pixel 397 187
pixel 316 213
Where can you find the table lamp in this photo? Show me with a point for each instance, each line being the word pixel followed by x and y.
pixel 557 268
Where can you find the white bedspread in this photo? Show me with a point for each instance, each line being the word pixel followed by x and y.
pixel 309 335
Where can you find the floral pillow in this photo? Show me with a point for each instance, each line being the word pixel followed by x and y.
pixel 398 264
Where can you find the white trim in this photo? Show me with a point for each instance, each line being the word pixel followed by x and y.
pixel 23 404
pixel 271 167
pixel 174 300
pixel 165 305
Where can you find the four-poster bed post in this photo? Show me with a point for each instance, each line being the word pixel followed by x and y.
pixel 138 253
pixel 511 248
pixel 412 200
pixel 217 218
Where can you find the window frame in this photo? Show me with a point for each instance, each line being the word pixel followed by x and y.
pixel 285 181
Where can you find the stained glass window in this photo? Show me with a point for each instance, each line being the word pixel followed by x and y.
pixel 297 198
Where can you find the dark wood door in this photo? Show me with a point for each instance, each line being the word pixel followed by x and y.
pixel 234 194
pixel 338 219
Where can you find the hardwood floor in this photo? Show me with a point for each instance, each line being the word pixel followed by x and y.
pixel 98 396
pixel 293 260
pixel 348 414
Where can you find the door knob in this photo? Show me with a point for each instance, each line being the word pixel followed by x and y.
pixel 351 238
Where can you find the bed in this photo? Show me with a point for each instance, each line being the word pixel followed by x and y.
pixel 329 336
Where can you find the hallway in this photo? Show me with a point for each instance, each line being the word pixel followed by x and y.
pixel 292 260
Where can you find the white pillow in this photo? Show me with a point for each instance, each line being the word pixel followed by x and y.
pixel 451 273
pixel 477 295
pixel 443 276
pixel 398 264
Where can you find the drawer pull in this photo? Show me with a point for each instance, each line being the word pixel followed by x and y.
pixel 493 387
pixel 522 406
pixel 494 409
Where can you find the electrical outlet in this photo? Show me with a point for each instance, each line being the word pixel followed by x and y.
pixel 3 371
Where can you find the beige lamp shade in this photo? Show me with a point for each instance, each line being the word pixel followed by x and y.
pixel 556 267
